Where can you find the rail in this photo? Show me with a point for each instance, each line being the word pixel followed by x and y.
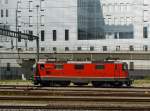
pixel 73 98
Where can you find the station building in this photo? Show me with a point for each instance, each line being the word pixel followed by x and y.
pixel 79 26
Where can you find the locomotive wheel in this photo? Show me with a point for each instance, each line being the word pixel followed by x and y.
pixel 35 83
pixel 128 84
pixel 118 84
pixel 45 84
pixel 80 84
pixel 97 84
pixel 64 83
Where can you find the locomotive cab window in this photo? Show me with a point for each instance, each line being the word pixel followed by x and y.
pixel 59 66
pixel 100 67
pixel 124 67
pixel 42 67
pixel 79 66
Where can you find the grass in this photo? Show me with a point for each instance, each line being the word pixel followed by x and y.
pixel 142 82
pixel 15 82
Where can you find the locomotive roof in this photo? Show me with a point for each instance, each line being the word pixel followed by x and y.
pixel 80 62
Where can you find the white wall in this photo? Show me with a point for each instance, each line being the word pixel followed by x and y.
pixel 62 14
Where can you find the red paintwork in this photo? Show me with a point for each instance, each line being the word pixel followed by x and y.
pixel 111 70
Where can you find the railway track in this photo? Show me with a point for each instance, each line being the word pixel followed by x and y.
pixel 73 108
pixel 47 108
pixel 74 98
pixel 65 88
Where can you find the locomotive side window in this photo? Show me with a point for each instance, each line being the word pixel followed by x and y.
pixel 99 67
pixel 124 67
pixel 79 66
pixel 59 66
pixel 42 66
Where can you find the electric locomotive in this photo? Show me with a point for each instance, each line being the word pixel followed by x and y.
pixel 112 73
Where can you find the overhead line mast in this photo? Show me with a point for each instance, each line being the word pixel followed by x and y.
pixel 19 35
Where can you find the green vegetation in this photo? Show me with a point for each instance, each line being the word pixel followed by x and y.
pixel 15 82
pixel 142 82
pixel 147 78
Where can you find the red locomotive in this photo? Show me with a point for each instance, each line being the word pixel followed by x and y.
pixel 82 73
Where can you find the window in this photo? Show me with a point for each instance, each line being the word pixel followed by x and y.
pixel 54 35
pixel 54 49
pixel 30 6
pixel 79 48
pixel 66 48
pixel 42 4
pixel 125 67
pixel 30 33
pixel 30 21
pixel 145 32
pixel 42 48
pixel 115 35
pixel 66 35
pixel 42 20
pixel 79 66
pixel 131 48
pixel 59 66
pixel 131 65
pixel 117 48
pixel 104 48
pixel 125 35
pixel 8 67
pixel 145 48
pixel 42 35
pixel 92 48
pixel 6 12
pixel 99 67
pixel 42 67
pixel 2 13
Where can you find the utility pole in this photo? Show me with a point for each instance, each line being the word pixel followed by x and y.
pixel 37 7
pixel 37 40
pixel 17 25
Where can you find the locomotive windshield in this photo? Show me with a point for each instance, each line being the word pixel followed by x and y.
pixel 125 66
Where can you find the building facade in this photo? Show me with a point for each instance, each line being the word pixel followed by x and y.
pixel 79 25
pixel 68 25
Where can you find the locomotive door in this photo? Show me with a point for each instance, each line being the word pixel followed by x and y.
pixel 117 71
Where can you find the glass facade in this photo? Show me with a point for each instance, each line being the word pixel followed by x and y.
pixel 90 20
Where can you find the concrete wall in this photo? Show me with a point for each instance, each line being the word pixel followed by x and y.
pixel 108 16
